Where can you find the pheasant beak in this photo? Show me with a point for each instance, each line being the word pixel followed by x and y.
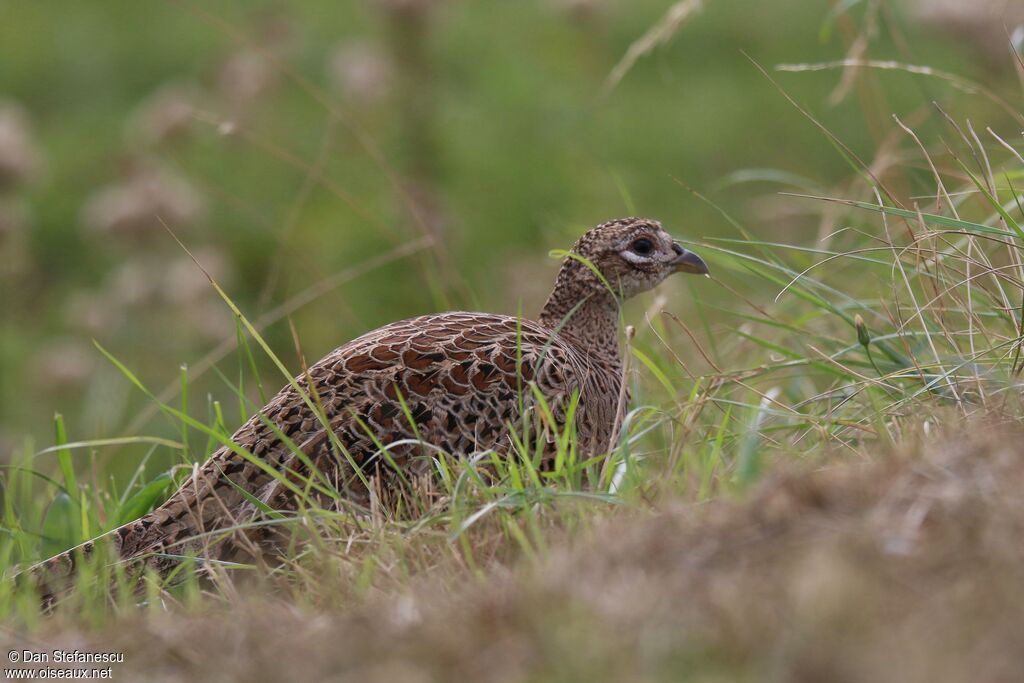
pixel 687 262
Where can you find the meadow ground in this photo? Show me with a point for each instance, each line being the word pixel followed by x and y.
pixel 903 567
pixel 819 475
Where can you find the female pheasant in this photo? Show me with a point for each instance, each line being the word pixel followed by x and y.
pixel 455 381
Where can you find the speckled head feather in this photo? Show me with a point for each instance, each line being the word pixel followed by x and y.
pixel 455 381
pixel 632 254
pixel 608 264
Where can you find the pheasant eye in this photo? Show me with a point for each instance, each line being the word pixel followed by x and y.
pixel 642 246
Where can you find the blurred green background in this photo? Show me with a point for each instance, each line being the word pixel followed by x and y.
pixel 287 144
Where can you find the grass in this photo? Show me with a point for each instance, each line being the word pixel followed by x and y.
pixel 817 484
pixel 898 568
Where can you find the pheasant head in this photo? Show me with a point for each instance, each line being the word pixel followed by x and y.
pixel 632 256
pixel 609 264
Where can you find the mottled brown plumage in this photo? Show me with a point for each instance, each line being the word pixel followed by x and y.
pixel 464 379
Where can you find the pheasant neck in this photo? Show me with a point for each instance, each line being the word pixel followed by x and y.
pixel 587 316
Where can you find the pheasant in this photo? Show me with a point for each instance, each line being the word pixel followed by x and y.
pixel 457 381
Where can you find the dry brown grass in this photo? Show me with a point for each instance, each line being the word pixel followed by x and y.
pixel 907 567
